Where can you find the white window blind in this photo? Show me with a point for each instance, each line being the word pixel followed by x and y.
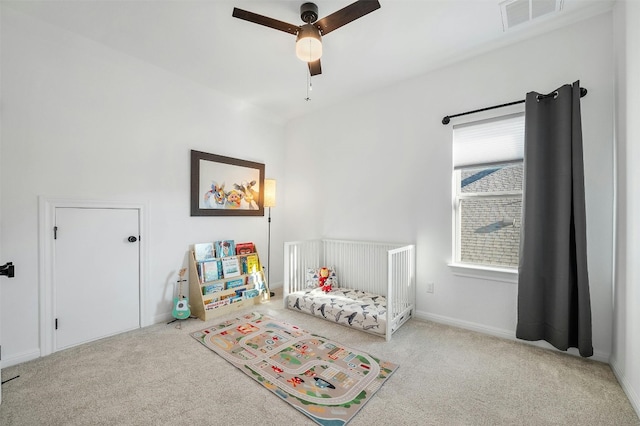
pixel 486 142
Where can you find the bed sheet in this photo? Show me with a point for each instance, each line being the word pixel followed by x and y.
pixel 354 308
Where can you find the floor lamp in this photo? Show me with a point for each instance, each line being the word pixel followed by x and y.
pixel 269 201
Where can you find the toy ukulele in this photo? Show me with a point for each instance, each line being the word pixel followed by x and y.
pixel 181 303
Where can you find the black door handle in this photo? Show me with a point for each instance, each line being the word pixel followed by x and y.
pixel 7 269
pixel 132 239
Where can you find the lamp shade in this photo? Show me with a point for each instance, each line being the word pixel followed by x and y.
pixel 269 192
pixel 308 43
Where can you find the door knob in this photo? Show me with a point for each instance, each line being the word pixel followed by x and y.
pixel 132 239
pixel 7 269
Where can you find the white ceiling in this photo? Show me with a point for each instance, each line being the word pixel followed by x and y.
pixel 201 41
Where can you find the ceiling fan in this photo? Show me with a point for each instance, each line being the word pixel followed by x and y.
pixel 309 35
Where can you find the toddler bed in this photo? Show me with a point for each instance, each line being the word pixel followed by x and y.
pixel 373 283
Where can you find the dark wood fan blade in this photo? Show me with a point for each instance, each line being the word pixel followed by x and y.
pixel 264 20
pixel 345 15
pixel 315 68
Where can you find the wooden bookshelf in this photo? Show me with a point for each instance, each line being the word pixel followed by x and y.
pixel 225 300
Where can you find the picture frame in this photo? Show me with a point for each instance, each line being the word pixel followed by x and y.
pixel 226 186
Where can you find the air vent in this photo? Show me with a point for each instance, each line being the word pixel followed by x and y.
pixel 516 12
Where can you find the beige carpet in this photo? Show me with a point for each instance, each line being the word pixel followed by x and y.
pixel 161 376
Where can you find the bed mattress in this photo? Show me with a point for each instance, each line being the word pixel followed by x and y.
pixel 354 308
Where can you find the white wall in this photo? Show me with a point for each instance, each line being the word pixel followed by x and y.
pixel 85 122
pixel 626 331
pixel 380 166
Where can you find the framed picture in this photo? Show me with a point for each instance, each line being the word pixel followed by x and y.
pixel 225 186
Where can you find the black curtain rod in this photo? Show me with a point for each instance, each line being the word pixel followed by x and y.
pixel 447 119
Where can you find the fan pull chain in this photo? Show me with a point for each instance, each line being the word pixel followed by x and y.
pixel 309 87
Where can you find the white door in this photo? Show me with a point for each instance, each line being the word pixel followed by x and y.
pixel 96 285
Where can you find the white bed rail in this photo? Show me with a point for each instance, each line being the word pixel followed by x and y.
pixel 298 256
pixel 402 285
pixel 380 268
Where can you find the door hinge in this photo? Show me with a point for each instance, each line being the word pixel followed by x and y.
pixel 55 232
pixel 56 323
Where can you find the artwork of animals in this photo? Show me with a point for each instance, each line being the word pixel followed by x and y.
pixel 225 186
pixel 241 196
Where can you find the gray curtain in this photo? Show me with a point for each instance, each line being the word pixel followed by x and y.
pixel 553 284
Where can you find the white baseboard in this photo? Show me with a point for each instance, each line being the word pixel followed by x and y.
pixel 277 291
pixel 277 287
pixel 36 353
pixel 20 358
pixel 502 333
pixel 166 317
pixel 634 399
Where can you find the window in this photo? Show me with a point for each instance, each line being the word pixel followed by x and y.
pixel 488 177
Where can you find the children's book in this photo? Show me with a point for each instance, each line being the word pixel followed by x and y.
pixel 200 266
pixel 225 248
pixel 245 248
pixel 235 283
pixel 243 264
pixel 212 288
pixel 230 267
pixel 217 304
pixel 240 291
pixel 250 294
pixel 253 263
pixel 203 251
pixel 211 270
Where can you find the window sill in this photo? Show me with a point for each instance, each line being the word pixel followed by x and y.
pixel 491 273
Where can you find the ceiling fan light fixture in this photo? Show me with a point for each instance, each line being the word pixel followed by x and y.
pixel 309 35
pixel 308 43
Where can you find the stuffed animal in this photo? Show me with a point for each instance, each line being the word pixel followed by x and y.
pixel 323 280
